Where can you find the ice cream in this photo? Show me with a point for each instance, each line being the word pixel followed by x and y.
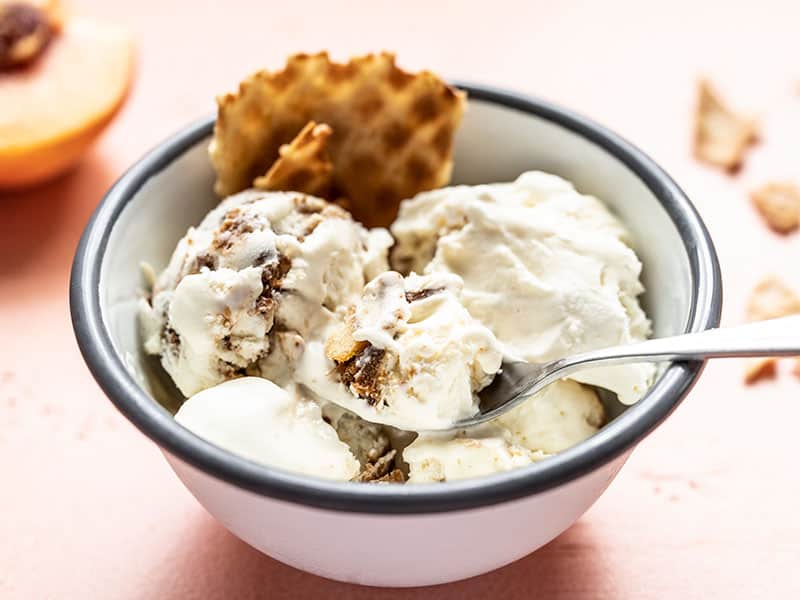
pixel 556 418
pixel 547 269
pixel 259 275
pixel 258 420
pixel 298 348
pixel 407 354
pixel 375 447
pixel 435 460
pixel 552 420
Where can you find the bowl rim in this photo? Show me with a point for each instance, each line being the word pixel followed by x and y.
pixel 609 443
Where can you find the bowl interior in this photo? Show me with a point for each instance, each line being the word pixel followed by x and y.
pixel 495 143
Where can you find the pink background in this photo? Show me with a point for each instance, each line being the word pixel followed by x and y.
pixel 708 505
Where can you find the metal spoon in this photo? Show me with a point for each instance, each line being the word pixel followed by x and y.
pixel 519 380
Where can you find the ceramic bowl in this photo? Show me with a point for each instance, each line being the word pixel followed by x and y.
pixel 392 535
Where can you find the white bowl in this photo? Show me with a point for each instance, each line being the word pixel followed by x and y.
pixel 397 535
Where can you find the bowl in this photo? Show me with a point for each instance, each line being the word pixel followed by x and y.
pixel 428 534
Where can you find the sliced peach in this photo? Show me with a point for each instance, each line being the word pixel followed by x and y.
pixel 51 111
pixel 51 8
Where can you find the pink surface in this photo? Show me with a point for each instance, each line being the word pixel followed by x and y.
pixel 708 505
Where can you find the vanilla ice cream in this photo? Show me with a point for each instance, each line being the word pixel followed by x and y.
pixel 300 349
pixel 258 420
pixel 552 420
pixel 547 269
pixel 556 418
pixel 243 291
pixel 413 356
pixel 433 460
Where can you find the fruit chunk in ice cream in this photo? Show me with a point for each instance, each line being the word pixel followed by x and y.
pixel 260 421
pixel 245 288
pixel 547 269
pixel 408 354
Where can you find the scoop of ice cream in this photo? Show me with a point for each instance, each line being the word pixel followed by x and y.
pixel 556 418
pixel 552 420
pixel 368 441
pixel 262 272
pixel 546 268
pixel 209 328
pixel 256 419
pixel 433 459
pixel 408 354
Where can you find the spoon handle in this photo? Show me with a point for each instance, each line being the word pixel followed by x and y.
pixel 776 337
pixel 518 380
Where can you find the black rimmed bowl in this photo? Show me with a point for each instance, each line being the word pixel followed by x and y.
pixel 397 535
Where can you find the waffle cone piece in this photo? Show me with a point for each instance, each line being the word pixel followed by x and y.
pixel 722 136
pixel 779 204
pixel 302 166
pixel 770 299
pixel 392 130
pixel 341 346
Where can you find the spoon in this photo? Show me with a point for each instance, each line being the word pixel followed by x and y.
pixel 517 381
